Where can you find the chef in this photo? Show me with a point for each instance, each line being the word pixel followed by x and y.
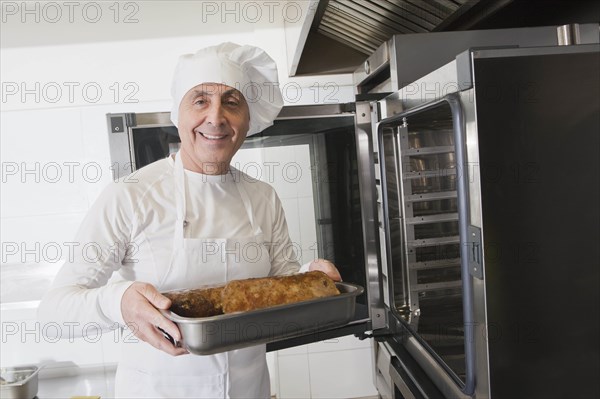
pixel 184 221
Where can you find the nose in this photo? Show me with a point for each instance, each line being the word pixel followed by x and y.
pixel 215 116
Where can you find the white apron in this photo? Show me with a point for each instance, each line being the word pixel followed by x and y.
pixel 147 372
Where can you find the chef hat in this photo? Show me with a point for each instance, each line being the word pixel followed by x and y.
pixel 246 68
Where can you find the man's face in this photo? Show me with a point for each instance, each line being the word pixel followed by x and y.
pixel 213 122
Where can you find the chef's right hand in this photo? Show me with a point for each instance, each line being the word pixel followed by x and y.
pixel 139 309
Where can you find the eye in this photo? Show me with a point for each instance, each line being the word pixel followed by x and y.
pixel 200 101
pixel 232 102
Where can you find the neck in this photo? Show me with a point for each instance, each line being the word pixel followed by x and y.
pixel 206 168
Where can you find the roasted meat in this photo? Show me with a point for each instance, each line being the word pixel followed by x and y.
pixel 251 294
pixel 258 293
pixel 202 302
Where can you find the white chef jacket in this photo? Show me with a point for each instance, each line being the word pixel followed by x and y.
pixel 130 230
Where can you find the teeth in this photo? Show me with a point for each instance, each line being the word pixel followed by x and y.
pixel 211 137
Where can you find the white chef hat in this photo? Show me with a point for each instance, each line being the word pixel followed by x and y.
pixel 246 68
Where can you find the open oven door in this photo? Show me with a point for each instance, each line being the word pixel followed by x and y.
pixel 319 159
pixel 423 225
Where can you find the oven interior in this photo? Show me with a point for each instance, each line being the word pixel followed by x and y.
pixel 419 230
pixel 152 143
pixel 331 147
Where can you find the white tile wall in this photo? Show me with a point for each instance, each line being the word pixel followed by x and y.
pixel 341 374
pixel 336 368
pixel 303 182
pixel 50 231
pixel 338 344
pixel 288 170
pixel 294 350
pixel 55 162
pixel 43 135
pixel 290 207
pixel 294 377
pixel 23 342
pixel 284 178
pixel 341 368
pixel 308 232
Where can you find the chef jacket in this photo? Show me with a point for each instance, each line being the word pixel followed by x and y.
pixel 175 229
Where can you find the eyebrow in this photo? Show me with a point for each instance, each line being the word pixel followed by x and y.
pixel 229 92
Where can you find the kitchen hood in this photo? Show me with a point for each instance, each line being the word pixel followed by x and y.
pixel 345 32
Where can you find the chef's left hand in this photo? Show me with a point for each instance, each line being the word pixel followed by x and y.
pixel 326 267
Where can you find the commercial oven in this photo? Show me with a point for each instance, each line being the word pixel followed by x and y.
pixel 466 204
pixel 488 225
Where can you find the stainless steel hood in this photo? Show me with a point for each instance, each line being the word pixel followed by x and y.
pixel 364 24
pixel 344 32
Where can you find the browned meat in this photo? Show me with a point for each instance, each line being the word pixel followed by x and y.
pixel 251 294
pixel 202 302
pixel 258 293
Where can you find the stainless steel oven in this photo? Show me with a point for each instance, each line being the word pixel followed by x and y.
pixel 488 226
pixel 466 205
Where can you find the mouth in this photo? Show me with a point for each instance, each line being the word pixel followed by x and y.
pixel 212 136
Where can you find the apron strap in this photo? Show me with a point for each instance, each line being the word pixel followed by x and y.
pixel 180 202
pixel 256 230
pixel 181 198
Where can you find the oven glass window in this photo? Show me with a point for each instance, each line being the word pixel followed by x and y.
pixel 421 231
pixel 153 143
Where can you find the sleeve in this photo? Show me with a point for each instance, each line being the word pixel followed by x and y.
pixel 305 267
pixel 81 296
pixel 282 251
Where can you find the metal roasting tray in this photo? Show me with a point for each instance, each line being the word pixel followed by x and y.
pixel 19 382
pixel 214 334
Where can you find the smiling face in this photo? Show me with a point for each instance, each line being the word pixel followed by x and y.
pixel 213 122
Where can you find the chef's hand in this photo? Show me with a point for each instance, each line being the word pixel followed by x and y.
pixel 326 267
pixel 138 307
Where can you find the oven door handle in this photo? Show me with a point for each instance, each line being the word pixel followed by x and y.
pixel 459 127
